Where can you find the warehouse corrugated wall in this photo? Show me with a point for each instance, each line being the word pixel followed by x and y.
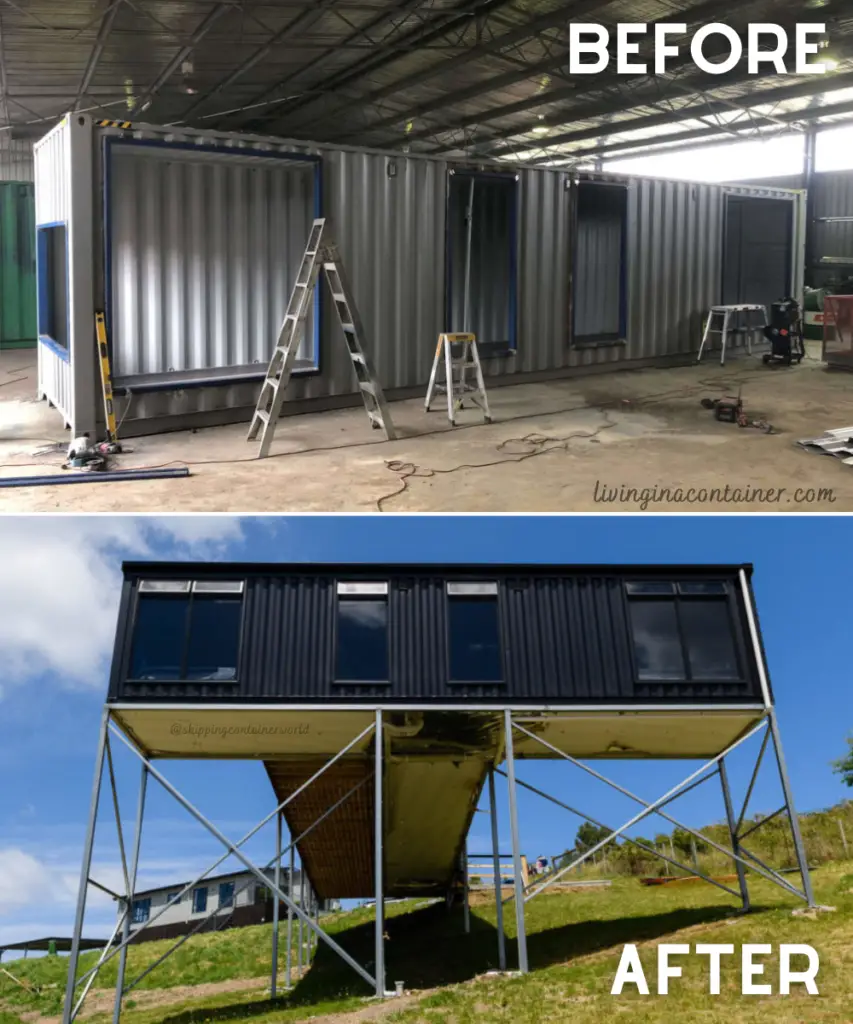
pixel 389 217
pixel 16 160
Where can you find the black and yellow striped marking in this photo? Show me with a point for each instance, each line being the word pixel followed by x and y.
pixel 106 376
pixel 114 124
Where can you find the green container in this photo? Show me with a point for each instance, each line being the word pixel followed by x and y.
pixel 18 317
pixel 813 315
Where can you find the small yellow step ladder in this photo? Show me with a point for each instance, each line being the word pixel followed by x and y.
pixel 457 355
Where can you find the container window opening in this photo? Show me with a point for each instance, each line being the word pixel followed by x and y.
pixel 481 264
pixel 186 637
pixel 474 644
pixel 52 272
pixel 599 264
pixel 362 639
pixel 757 250
pixel 682 633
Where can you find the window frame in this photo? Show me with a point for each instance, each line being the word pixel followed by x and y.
pixel 728 598
pixel 167 589
pixel 144 904
pixel 366 590
pixel 47 315
pixel 472 590
pixel 199 889
pixel 232 901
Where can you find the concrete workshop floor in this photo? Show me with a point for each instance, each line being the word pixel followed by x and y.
pixel 552 448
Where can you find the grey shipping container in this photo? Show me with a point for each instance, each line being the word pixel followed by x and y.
pixel 189 240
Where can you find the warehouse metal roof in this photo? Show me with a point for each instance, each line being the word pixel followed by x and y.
pixel 482 78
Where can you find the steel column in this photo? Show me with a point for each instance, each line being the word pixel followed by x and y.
pixel 730 818
pixel 288 970
pixel 276 903
pixel 516 848
pixel 799 847
pixel 85 871
pixel 496 867
pixel 134 865
pixel 466 909
pixel 300 929
pixel 378 854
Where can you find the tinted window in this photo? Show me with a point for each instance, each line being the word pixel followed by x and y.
pixel 362 639
pixel 709 640
pixel 159 638
pixel 657 647
pixel 214 638
pixel 474 638
pixel 199 901
pixel 141 911
pixel 186 636
pixel 226 894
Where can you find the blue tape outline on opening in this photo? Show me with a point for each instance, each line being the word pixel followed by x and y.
pixel 43 291
pixel 111 141
pixel 512 311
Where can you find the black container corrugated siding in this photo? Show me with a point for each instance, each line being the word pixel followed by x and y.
pixel 565 634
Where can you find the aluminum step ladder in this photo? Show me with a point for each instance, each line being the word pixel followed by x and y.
pixel 455 381
pixel 320 254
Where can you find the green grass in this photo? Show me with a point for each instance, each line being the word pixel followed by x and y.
pixel 574 942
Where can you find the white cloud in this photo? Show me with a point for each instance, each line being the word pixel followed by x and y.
pixel 60 584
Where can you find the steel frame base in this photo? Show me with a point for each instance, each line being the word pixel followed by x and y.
pixel 305 909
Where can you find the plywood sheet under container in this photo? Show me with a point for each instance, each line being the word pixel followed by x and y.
pixel 428 805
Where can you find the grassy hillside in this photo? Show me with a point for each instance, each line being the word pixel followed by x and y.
pixel 574 942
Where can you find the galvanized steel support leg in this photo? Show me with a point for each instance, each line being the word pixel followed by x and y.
pixel 730 818
pixel 516 846
pixel 496 868
pixel 288 969
pixel 378 858
pixel 276 903
pixel 300 929
pixel 85 871
pixel 799 847
pixel 466 909
pixel 134 866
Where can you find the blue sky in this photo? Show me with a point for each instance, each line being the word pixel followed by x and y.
pixel 58 602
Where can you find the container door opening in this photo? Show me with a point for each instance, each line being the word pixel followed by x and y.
pixel 757 250
pixel 481 284
pixel 599 309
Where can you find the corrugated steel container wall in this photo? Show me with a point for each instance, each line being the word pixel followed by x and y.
pixel 389 215
pixel 566 637
pixel 16 160
pixel 18 327
pixel 53 205
pixel 204 253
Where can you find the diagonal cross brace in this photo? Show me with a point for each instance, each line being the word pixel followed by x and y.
pixel 276 860
pixel 655 807
pixel 629 839
pixel 256 871
pixel 368 729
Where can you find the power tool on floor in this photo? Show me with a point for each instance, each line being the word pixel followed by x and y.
pixel 785 334
pixel 82 454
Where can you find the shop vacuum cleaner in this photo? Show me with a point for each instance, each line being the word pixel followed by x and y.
pixel 785 334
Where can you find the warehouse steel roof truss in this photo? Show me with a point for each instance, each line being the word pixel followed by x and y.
pixel 482 78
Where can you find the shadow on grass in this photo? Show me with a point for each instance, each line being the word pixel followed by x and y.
pixel 428 948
